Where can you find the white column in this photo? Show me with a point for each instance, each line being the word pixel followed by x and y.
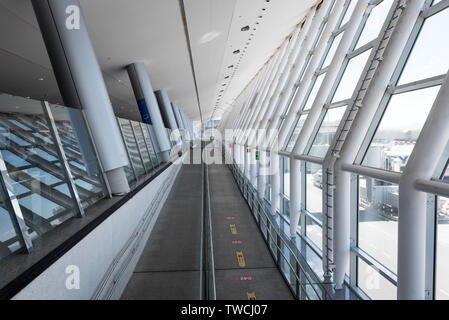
pixel 265 112
pixel 81 82
pixel 267 92
pixel 253 167
pixel 295 195
pixel 271 69
pixel 413 204
pixel 143 91
pixel 357 134
pixel 262 176
pixel 275 183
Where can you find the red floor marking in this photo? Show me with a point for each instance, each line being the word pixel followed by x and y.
pixel 237 242
pixel 246 278
pixel 230 218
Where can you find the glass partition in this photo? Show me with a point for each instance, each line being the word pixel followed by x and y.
pixel 33 164
pixel 373 283
pixel 80 154
pixel 9 239
pixel 146 130
pixel 142 146
pixel 136 164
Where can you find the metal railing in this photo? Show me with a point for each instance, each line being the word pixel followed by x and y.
pixel 305 286
pixel 207 263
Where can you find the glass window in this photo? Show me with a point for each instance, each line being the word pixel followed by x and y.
pixel 349 12
pixel 442 250
pixel 378 220
pixel 333 48
pixel 316 87
pixel 351 77
pixel 429 56
pixel 399 129
pixel 314 232
pixel 373 283
pixel 327 132
pixel 286 177
pixel 375 22
pixel 314 190
pixel 286 207
pixel 299 124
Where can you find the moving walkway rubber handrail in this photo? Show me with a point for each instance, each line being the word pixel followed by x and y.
pixel 207 262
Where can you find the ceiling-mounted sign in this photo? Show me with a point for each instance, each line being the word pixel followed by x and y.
pixel 248 150
pixel 257 155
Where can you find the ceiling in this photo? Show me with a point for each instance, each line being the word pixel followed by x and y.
pixel 184 58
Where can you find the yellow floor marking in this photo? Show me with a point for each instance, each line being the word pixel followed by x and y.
pixel 241 259
pixel 251 295
pixel 233 228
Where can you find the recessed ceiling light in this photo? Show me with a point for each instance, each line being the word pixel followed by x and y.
pixel 236 51
pixel 40 79
pixel 231 66
pixel 245 28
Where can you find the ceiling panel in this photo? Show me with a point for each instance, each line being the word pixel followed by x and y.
pixel 152 31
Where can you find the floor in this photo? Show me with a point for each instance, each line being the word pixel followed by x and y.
pixel 169 267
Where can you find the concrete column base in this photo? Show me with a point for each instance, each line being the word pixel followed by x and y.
pixel 118 181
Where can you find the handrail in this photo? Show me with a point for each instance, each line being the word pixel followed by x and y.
pixel 202 294
pixel 210 256
pixel 207 262
pixel 389 176
pixel 430 186
pixel 244 184
pixel 286 245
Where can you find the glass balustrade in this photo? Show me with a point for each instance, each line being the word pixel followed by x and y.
pixel 50 167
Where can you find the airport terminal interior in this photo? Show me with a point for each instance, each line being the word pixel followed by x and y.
pixel 224 150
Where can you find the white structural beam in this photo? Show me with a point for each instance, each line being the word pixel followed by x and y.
pixel 356 135
pixel 317 108
pixel 265 95
pixel 270 71
pixel 412 202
